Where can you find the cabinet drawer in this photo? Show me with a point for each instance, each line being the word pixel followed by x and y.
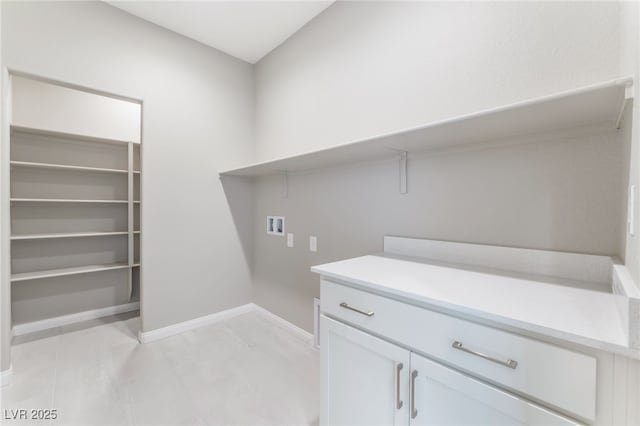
pixel 559 377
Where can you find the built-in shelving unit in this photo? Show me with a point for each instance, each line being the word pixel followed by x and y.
pixel 74 207
pixel 75 226
pixel 599 105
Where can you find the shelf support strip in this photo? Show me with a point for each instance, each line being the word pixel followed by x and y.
pixel 130 219
pixel 403 172
pixel 285 184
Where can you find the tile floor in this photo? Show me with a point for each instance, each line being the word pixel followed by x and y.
pixel 246 370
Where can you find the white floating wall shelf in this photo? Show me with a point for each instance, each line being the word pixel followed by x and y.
pixel 597 105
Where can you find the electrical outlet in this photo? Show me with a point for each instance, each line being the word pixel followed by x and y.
pixel 289 239
pixel 313 243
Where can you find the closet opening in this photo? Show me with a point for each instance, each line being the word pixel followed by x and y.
pixel 75 205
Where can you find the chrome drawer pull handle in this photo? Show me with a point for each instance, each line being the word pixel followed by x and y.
pixel 414 410
pixel 346 306
pixel 398 400
pixel 508 363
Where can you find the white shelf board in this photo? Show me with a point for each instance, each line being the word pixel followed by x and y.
pixel 599 105
pixel 25 276
pixel 65 200
pixel 65 235
pixel 65 167
pixel 63 135
pixel 136 265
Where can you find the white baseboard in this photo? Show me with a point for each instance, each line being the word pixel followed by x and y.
pixel 30 327
pixel 6 376
pixel 304 334
pixel 171 330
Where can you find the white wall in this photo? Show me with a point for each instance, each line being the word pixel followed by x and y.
pixel 5 289
pixel 365 68
pixel 361 69
pixel 197 103
pixel 357 70
pixel 40 105
pixel 630 65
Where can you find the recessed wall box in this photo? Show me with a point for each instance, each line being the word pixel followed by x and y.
pixel 275 225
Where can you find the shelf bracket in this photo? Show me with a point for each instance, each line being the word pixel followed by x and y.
pixel 403 172
pixel 130 249
pixel 285 184
pixel 628 95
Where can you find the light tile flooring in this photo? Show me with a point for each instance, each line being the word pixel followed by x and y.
pixel 246 370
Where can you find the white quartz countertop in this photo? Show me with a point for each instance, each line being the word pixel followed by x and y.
pixel 543 305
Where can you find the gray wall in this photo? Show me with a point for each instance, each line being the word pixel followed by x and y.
pixel 361 69
pixel 197 106
pixel 558 194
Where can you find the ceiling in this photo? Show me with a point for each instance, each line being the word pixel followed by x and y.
pixel 245 29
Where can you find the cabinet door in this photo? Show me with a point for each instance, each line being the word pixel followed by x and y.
pixel 442 396
pixel 365 380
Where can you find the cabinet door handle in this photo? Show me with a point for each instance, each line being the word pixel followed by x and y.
pixel 346 306
pixel 510 363
pixel 398 400
pixel 414 410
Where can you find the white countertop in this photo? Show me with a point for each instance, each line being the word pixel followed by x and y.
pixel 543 305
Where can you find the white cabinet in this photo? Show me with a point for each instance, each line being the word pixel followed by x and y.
pixel 496 348
pixel 438 335
pixel 442 396
pixel 365 380
pixel 369 381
